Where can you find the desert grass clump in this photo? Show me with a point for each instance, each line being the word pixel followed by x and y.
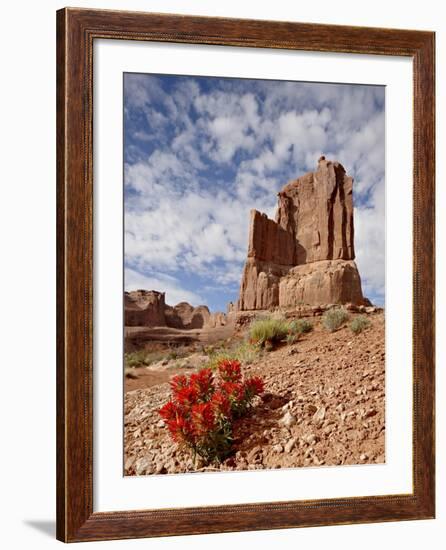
pixel 245 352
pixel 359 324
pixel 300 326
pixel 268 332
pixel 144 358
pixel 135 359
pixel 334 318
pixel 219 355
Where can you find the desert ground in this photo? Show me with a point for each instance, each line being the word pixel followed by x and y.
pixel 323 403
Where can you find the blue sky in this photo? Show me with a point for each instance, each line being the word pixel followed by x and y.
pixel 200 152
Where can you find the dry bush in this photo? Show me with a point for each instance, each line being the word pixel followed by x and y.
pixel 334 318
pixel 359 324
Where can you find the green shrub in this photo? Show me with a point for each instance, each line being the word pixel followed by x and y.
pixel 142 358
pixel 359 324
pixel 292 338
pixel 268 332
pixel 300 326
pixel 334 318
pixel 135 359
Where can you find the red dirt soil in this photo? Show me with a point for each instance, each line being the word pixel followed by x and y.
pixel 323 405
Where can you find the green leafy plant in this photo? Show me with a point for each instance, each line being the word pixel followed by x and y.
pixel 359 324
pixel 334 318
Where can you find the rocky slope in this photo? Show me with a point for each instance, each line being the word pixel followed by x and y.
pixel 323 405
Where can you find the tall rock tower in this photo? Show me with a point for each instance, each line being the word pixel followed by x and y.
pixel 306 256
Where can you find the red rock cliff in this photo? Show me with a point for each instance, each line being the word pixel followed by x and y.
pixel 306 255
pixel 148 308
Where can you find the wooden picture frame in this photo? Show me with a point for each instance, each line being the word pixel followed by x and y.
pixel 76 31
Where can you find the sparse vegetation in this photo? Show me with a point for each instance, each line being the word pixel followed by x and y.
pixel 143 358
pixel 268 332
pixel 135 359
pixel 177 353
pixel 245 352
pixel 334 318
pixel 359 324
pixel 219 355
pixel 300 326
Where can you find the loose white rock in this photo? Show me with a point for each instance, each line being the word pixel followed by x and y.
pixel 319 415
pixel 290 445
pixel 310 439
pixel 288 420
pixel 141 465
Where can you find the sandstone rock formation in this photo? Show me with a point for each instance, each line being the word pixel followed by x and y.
pixel 186 317
pixel 147 308
pixel 144 308
pixel 306 256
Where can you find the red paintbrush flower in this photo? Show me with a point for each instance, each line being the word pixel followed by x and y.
pixel 234 390
pixel 221 404
pixel 181 430
pixel 203 419
pixel 200 413
pixel 230 370
pixel 255 385
pixel 178 382
pixel 202 381
pixel 186 397
pixel 169 411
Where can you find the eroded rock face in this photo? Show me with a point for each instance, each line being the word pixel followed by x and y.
pixel 144 308
pixel 147 308
pixel 323 282
pixel 306 255
pixel 186 317
pixel 317 210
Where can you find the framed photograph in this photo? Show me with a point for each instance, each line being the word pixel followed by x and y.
pixel 245 275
